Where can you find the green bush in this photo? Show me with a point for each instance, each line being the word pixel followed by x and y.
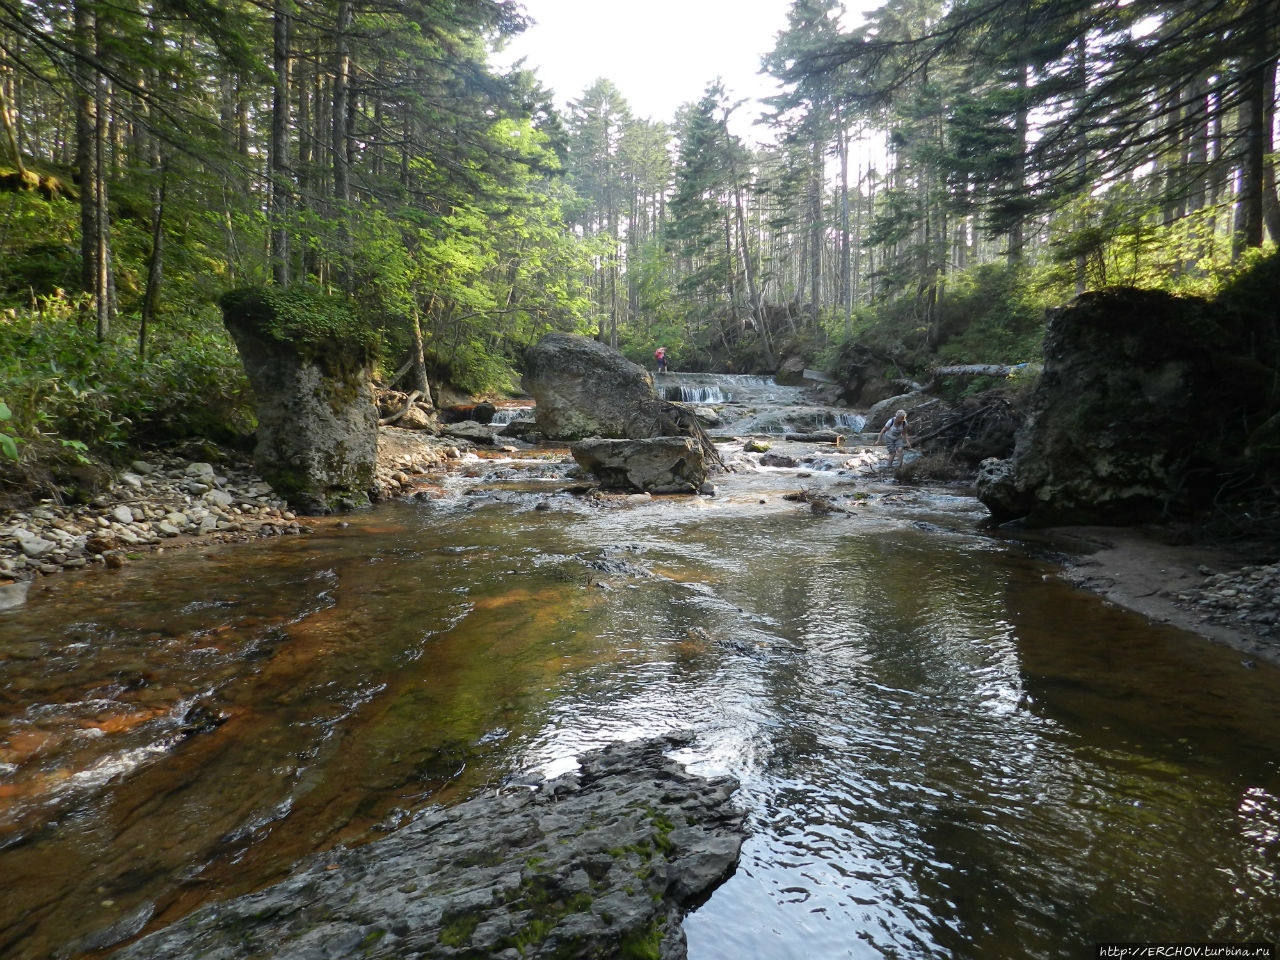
pixel 60 384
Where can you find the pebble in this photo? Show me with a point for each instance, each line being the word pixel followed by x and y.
pixel 1248 597
pixel 151 502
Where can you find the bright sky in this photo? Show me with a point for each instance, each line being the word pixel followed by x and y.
pixel 658 53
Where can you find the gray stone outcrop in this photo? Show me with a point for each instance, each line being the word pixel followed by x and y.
pixel 602 863
pixel 317 440
pixel 654 465
pixel 583 388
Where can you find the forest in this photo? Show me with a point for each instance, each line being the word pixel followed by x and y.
pixel 940 173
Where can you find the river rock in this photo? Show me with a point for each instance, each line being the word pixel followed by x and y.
pixel 13 595
pixel 32 546
pixel 469 430
pixel 996 486
pixel 603 862
pixel 885 409
pixel 583 388
pixel 653 465
pixel 317 438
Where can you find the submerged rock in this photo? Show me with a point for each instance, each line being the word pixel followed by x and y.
pixel 599 863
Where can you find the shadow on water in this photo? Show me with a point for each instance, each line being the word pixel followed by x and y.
pixel 945 750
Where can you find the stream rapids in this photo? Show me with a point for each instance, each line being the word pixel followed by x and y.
pixel 945 750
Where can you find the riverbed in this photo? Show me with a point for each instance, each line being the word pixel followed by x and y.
pixel 945 749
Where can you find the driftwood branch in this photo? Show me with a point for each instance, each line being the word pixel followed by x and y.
pixel 413 397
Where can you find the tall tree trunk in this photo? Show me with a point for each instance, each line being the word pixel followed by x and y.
pixel 1016 230
pixel 103 289
pixel 155 262
pixel 418 379
pixel 7 115
pixel 280 174
pixel 86 167
pixel 815 242
pixel 341 91
pixel 338 132
pixel 846 280
pixel 159 173
pixel 1270 200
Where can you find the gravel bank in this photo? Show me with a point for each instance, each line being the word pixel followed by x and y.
pixel 168 501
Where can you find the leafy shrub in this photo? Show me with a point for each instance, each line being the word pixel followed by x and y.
pixel 62 385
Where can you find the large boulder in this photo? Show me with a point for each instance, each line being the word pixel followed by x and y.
pixel 309 361
pixel 653 465
pixel 997 487
pixel 583 388
pixel 1128 411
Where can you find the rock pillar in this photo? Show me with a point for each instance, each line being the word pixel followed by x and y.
pixel 309 362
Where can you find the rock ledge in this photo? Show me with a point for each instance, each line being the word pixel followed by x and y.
pixel 603 862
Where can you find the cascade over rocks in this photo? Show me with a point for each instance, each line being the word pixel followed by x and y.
pixel 310 369
pixel 602 863
pixel 1127 374
pixel 583 388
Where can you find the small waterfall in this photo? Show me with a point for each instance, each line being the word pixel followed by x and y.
pixel 505 415
pixel 853 422
pixel 694 394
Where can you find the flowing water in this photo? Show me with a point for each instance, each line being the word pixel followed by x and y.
pixel 945 750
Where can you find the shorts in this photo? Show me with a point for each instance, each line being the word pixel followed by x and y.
pixel 894 444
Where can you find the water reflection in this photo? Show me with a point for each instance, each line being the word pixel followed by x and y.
pixel 945 751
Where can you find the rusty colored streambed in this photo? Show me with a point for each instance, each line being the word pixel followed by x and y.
pixel 945 750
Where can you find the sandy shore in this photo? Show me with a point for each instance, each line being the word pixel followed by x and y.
pixel 1225 594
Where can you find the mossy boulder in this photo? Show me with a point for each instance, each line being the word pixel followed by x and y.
pixel 1146 403
pixel 309 360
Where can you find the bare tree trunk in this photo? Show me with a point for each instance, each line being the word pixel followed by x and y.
pixel 7 117
pixel 86 167
pixel 341 90
pixel 419 380
pixel 815 243
pixel 1270 200
pixel 1016 237
pixel 103 287
pixel 280 176
pixel 338 130
pixel 846 288
pixel 1254 136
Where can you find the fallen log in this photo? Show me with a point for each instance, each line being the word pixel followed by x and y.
pixel 986 369
pixel 820 436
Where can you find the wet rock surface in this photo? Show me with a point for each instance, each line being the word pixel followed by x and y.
pixel 657 465
pixel 603 862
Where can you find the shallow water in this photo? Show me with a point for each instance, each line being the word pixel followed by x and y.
pixel 944 749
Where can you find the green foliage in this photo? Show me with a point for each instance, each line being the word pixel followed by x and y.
pixel 8 444
pixel 61 384
pixel 992 314
pixel 300 315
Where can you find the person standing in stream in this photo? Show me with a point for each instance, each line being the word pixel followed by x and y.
pixel 894 436
pixel 661 356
